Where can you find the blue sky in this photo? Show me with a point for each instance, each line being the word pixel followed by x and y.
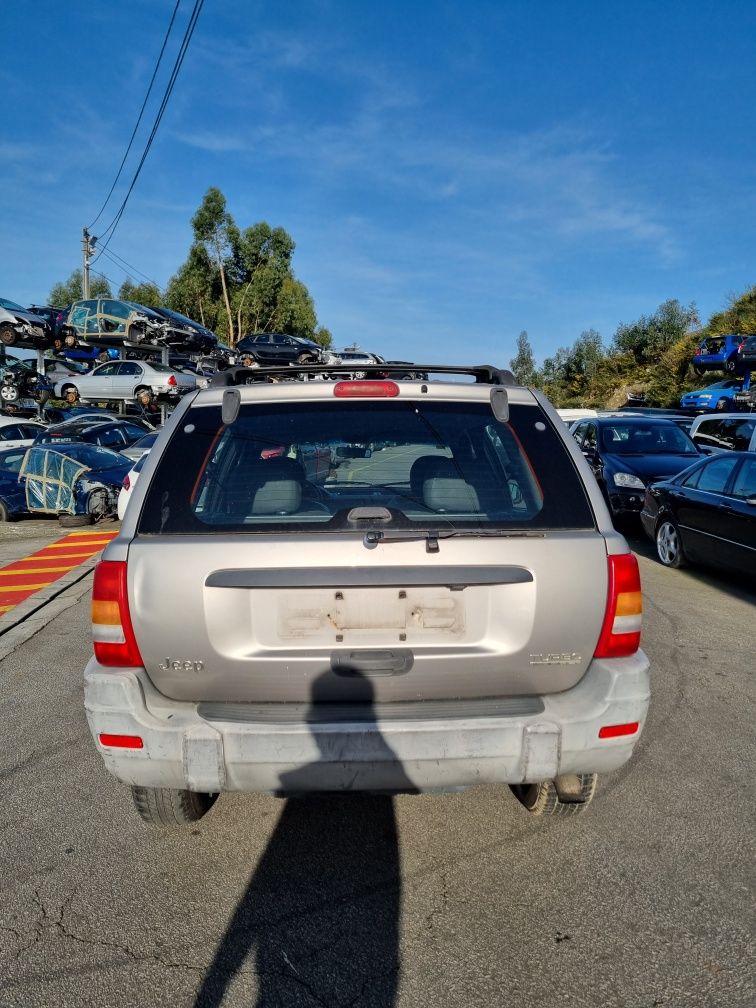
pixel 451 173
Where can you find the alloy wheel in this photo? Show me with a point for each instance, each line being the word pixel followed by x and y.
pixel 668 544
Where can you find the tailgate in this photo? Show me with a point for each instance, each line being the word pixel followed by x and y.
pixel 246 618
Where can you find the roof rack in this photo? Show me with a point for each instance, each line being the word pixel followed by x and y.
pixel 485 374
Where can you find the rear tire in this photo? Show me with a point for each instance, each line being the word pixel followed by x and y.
pixel 4 512
pixel 542 799
pixel 7 335
pixel 669 548
pixel 305 358
pixel 75 520
pixel 169 807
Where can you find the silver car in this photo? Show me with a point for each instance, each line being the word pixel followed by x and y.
pixel 440 602
pixel 123 379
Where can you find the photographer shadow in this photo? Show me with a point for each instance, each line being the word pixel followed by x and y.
pixel 321 909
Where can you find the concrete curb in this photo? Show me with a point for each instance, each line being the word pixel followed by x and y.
pixel 35 612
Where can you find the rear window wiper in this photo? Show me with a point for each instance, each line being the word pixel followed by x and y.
pixel 431 538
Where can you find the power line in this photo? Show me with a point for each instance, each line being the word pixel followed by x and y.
pixel 121 263
pixel 110 230
pixel 141 113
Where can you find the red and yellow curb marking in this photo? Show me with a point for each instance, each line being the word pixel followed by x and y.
pixel 20 579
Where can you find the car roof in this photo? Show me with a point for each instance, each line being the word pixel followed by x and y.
pixel 657 421
pixel 5 421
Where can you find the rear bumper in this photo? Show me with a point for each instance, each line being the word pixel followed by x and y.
pixel 183 750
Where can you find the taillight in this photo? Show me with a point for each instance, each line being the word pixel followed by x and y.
pixel 126 482
pixel 365 389
pixel 620 633
pixel 172 379
pixel 114 640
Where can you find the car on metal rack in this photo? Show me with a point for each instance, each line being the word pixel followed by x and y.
pixel 281 348
pixel 124 379
pixel 21 327
pixel 111 322
pixel 719 395
pixel 452 610
pixel 718 353
pixel 197 338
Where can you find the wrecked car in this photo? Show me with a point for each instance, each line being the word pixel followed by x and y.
pixel 19 326
pixel 78 482
pixel 107 321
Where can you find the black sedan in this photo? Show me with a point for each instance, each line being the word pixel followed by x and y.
pixel 113 434
pixel 706 514
pixel 628 454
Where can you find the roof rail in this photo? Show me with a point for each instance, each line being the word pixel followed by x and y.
pixel 485 374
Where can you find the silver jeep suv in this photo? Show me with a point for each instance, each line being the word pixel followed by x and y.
pixel 365 585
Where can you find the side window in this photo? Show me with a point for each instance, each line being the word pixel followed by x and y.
pixel 709 434
pixel 80 313
pixel 11 433
pixel 105 371
pixel 577 433
pixel 741 438
pixel 112 438
pixel 715 476
pixel 692 480
pixel 590 442
pixel 745 482
pixel 113 315
pixel 117 309
pixel 129 368
pixel 265 338
pixel 29 431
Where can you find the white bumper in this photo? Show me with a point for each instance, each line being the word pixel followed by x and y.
pixel 183 750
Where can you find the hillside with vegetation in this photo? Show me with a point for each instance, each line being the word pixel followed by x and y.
pixel 650 357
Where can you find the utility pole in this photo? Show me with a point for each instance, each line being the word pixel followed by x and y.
pixel 87 245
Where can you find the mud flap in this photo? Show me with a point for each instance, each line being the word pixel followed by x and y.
pixel 203 759
pixel 541 744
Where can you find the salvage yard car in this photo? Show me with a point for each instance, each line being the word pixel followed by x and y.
pixel 78 482
pixel 628 453
pixel 707 514
pixel 18 326
pixel 124 379
pixel 451 610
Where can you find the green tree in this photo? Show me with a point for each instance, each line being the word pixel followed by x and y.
pixel 215 228
pixel 649 337
pixel 146 293
pixel 192 289
pixel 739 317
pixel 523 363
pixel 68 291
pixel 237 282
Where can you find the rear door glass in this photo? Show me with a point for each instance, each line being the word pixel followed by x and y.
pixel 415 465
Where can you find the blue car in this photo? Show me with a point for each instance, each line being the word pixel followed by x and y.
pixel 719 396
pixel 78 482
pixel 12 492
pixel 629 453
pixel 718 353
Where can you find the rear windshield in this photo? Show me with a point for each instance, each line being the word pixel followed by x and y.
pixel 290 466
pixel 646 439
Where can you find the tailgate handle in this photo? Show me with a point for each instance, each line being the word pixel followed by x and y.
pixel 372 663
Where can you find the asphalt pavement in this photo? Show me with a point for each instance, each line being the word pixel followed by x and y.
pixel 456 900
